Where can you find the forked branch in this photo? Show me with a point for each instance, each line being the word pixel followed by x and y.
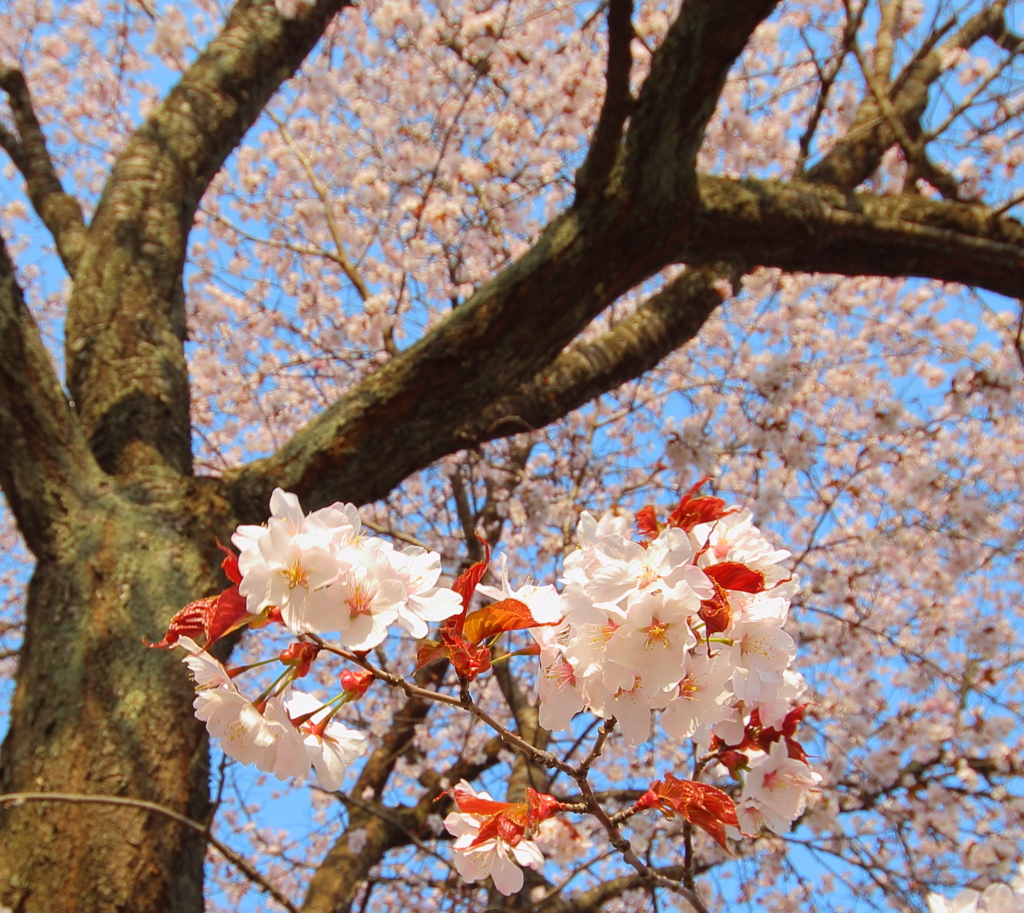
pixel 60 211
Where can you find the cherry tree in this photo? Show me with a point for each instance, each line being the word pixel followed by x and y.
pixel 442 262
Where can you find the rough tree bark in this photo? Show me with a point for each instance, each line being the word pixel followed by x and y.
pixel 101 482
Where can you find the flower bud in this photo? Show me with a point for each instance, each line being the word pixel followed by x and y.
pixel 356 682
pixel 301 656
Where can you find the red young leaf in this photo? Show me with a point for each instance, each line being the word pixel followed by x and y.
pixel 505 821
pixel 793 719
pixel 510 829
pixel 473 805
pixel 496 618
pixel 230 564
pixel 795 750
pixel 703 806
pixel 757 735
pixel 647 522
pixel 506 826
pixel 189 622
pixel 693 511
pixel 716 611
pixel 229 614
pixel 734 761
pixel 428 651
pixel 465 583
pixel 468 660
pixel 732 575
pixel 213 616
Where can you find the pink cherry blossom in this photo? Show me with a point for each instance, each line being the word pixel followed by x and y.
pixel 492 857
pixel 418 570
pixel 332 751
pixel 775 791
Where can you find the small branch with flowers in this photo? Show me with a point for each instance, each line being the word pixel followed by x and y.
pixel 682 621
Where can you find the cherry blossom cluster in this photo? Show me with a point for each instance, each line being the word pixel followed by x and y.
pixel 996 898
pixel 687 621
pixel 283 732
pixel 324 576
pixel 312 574
pixel 684 619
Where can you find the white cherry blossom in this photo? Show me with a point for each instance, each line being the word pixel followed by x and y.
pixel 418 570
pixel 775 791
pixel 332 751
pixel 700 699
pixel 493 857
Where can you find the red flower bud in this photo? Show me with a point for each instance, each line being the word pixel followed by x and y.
pixel 301 656
pixel 734 762
pixel 356 682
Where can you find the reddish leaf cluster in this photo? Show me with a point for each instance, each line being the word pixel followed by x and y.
pixel 507 821
pixel 213 616
pixel 462 636
pixel 728 575
pixel 690 512
pixel 704 806
pixel 757 736
pixel 468 659
pixel 693 511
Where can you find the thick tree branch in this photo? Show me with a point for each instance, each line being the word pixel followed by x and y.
pixel 605 146
pixel 60 211
pixel 885 40
pixel 807 228
pixel 452 389
pixel 663 323
pixel 408 414
pixel 236 859
pixel 45 464
pixel 126 318
pixel 853 159
pixel 681 92
pixel 364 445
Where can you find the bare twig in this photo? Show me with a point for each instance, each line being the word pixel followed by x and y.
pixel 546 758
pixel 827 78
pixel 917 157
pixel 237 860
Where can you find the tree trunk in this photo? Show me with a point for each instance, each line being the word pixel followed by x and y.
pixel 95 712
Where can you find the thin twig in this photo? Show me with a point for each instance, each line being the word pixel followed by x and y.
pixel 236 859
pixel 546 758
